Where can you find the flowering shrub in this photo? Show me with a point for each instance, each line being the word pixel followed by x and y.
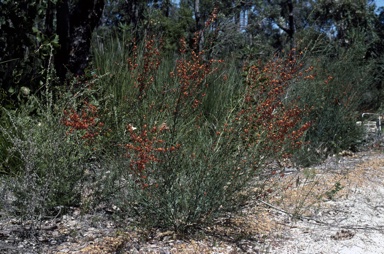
pixel 86 121
pixel 183 169
pixel 192 135
pixel 144 149
pixel 174 160
pixel 143 67
pixel 191 75
pixel 270 117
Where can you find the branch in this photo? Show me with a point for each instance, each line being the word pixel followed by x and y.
pixel 309 219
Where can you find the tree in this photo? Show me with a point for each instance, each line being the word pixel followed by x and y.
pixel 285 20
pixel 33 32
pixel 338 18
pixel 18 49
pixel 75 23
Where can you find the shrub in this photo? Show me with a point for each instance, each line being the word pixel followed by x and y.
pixel 54 146
pixel 335 96
pixel 195 137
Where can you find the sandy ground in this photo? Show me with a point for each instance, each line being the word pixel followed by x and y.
pixel 353 222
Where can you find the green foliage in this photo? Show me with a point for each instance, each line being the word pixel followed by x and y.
pixel 9 159
pixel 188 186
pixel 190 138
pixel 331 194
pixel 25 48
pixel 172 28
pixel 40 183
pixel 46 165
pixel 175 138
pixel 335 95
pixel 181 187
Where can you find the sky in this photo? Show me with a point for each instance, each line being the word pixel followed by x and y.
pixel 379 3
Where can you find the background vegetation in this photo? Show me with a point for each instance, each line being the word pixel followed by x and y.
pixel 170 111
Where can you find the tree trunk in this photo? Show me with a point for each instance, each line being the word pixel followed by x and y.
pixel 197 15
pixel 198 26
pixel 75 25
pixel 84 19
pixel 291 26
pixel 166 7
pixel 63 31
pixel 135 10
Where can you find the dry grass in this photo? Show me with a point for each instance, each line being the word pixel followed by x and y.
pixel 305 194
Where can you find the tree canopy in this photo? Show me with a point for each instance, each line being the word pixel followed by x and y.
pixel 35 34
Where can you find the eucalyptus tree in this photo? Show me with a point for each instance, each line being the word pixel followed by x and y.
pixel 339 18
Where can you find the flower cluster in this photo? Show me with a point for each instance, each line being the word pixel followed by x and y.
pixel 144 149
pixel 143 69
pixel 191 74
pixel 212 18
pixel 86 121
pixel 269 112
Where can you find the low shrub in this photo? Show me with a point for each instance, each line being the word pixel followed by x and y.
pixel 49 154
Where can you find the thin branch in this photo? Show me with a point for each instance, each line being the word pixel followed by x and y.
pixel 309 219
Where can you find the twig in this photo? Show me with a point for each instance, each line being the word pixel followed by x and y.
pixel 309 219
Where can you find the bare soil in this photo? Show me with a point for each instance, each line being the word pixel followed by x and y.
pixel 352 221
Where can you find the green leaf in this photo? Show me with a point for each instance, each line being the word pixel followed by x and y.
pixel 35 30
pixel 55 41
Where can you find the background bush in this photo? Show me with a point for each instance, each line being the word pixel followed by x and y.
pixel 337 97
